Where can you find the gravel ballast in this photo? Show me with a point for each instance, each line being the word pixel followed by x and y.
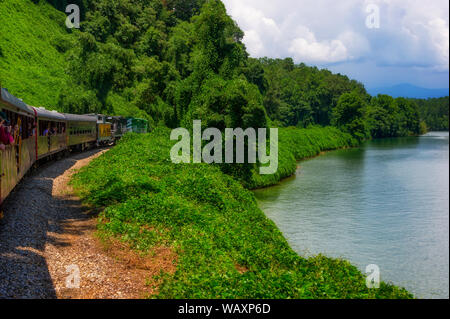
pixel 47 236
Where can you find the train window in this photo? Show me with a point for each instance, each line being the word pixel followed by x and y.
pixel 47 128
pixel 61 128
pixel 27 127
pixel 12 117
pixel 22 127
pixel 44 127
pixel 54 128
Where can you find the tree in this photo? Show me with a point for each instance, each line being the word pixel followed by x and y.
pixel 349 115
pixel 254 72
pixel 409 119
pixel 185 9
pixel 383 116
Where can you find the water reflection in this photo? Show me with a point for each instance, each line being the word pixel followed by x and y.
pixel 384 203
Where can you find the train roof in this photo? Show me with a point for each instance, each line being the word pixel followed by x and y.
pixel 97 114
pixel 14 101
pixel 116 117
pixel 53 115
pixel 101 118
pixel 80 118
pixel 10 99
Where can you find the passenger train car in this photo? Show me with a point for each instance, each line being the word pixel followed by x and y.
pixel 81 132
pixel 39 133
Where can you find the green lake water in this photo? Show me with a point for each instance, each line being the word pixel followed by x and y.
pixel 385 203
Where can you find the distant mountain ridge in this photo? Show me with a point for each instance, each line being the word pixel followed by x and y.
pixel 409 90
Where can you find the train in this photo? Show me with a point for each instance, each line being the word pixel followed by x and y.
pixel 40 134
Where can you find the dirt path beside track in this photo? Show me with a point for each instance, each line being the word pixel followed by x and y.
pixel 47 236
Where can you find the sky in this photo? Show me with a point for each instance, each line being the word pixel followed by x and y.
pixel 377 42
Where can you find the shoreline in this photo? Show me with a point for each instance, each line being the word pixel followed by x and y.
pixel 293 175
pixel 225 245
pixel 296 145
pixel 323 152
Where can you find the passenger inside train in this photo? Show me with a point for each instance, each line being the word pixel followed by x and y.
pixel 5 132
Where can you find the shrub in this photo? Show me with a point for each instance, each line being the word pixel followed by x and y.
pixel 226 246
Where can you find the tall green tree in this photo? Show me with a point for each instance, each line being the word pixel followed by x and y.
pixel 349 115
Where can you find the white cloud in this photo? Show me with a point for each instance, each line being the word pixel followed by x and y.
pixel 412 33
pixel 440 40
pixel 253 43
pixel 306 48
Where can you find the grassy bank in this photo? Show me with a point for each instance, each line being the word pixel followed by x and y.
pixel 226 247
pixel 33 37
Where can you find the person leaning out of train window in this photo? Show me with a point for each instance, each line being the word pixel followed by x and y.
pixel 3 140
pixel 16 132
pixel 9 133
pixel 5 132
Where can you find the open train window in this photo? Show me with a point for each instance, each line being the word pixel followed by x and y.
pixel 61 127
pixel 27 128
pixel 47 128
pixel 22 127
pixel 44 127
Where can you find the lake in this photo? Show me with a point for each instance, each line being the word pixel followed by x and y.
pixel 385 203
